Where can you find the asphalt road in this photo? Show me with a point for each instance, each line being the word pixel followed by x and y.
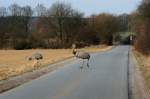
pixel 105 79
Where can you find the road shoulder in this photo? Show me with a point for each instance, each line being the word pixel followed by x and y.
pixel 138 89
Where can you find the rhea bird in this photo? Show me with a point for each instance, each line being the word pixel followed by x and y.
pixel 36 57
pixel 81 55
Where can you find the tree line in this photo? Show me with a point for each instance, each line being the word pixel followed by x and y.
pixel 140 24
pixel 58 26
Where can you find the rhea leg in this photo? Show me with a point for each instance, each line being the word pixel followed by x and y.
pixel 88 63
pixel 35 62
pixel 81 67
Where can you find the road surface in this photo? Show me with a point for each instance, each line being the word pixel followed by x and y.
pixel 105 79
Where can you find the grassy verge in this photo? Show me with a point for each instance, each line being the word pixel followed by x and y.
pixel 14 62
pixel 144 66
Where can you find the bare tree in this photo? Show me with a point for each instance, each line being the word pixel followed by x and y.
pixel 40 10
pixel 15 10
pixel 27 11
pixel 59 11
pixel 3 12
pixel 65 19
pixel 106 25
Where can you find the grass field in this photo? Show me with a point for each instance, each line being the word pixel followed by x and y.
pixel 14 62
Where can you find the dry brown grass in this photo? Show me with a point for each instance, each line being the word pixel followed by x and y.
pixel 14 62
pixel 144 65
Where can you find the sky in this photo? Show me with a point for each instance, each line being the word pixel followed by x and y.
pixel 88 7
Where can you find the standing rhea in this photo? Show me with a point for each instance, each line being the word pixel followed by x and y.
pixel 81 55
pixel 36 57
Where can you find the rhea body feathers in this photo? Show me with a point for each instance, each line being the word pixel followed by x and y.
pixel 82 55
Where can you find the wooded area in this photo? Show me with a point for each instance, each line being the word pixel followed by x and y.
pixel 56 27
pixel 140 24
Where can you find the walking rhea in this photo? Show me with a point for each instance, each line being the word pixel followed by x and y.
pixel 81 55
pixel 36 57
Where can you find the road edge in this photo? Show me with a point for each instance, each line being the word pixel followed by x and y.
pixel 137 87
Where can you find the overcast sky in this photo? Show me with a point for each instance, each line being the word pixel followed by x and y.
pixel 87 6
